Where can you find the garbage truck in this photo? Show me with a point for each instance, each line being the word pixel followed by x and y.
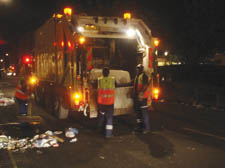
pixel 70 51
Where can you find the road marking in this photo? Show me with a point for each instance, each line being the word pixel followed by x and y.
pixel 12 159
pixel 204 133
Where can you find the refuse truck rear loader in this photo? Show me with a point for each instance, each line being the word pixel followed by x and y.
pixel 70 51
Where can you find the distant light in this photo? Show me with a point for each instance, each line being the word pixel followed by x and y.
pixel 26 59
pixel 130 32
pixel 6 54
pixel 166 53
pixel 1 60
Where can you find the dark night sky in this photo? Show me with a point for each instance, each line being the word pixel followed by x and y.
pixel 177 23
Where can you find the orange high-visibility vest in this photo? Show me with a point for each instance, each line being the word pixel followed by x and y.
pixel 106 90
pixel 19 93
pixel 139 81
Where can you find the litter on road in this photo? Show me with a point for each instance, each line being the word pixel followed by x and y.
pixel 45 140
pixel 71 132
pixel 4 101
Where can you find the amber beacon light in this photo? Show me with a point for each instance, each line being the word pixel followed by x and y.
pixel 127 15
pixel 68 11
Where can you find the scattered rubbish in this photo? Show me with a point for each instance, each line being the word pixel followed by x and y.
pixel 45 140
pixel 73 140
pixel 55 137
pixel 49 133
pixel 71 132
pixel 4 101
pixel 3 138
pixel 58 132
pixel 102 157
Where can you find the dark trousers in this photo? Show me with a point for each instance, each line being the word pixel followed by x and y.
pixel 142 114
pixel 106 118
pixel 22 106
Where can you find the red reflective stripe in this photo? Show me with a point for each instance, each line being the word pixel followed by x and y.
pixel 150 58
pixel 89 58
pixel 20 94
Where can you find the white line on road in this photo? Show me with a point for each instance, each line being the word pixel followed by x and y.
pixel 204 133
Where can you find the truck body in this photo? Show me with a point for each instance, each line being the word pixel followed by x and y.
pixel 71 51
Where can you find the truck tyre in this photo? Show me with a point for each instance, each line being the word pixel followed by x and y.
pixel 59 109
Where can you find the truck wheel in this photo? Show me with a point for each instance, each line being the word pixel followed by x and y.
pixel 59 110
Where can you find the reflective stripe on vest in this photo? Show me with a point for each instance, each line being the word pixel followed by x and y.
pixel 89 58
pixel 139 81
pixel 106 92
pixel 19 93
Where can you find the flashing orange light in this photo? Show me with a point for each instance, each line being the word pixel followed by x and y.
pixel 127 15
pixel 82 40
pixel 77 98
pixel 68 11
pixel 156 42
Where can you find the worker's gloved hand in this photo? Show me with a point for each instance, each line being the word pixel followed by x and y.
pixel 140 96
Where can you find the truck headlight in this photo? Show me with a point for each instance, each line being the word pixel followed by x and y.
pixel 130 32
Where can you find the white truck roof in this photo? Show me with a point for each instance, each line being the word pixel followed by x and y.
pixel 112 27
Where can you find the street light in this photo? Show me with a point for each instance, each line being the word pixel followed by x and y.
pixel 1 60
pixel 6 54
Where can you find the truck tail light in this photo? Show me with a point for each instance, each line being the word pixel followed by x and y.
pixel 156 93
pixel 77 97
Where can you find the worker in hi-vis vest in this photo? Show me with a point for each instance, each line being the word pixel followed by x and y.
pixel 21 96
pixel 106 98
pixel 141 94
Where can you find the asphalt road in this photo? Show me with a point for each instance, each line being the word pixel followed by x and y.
pixel 181 137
